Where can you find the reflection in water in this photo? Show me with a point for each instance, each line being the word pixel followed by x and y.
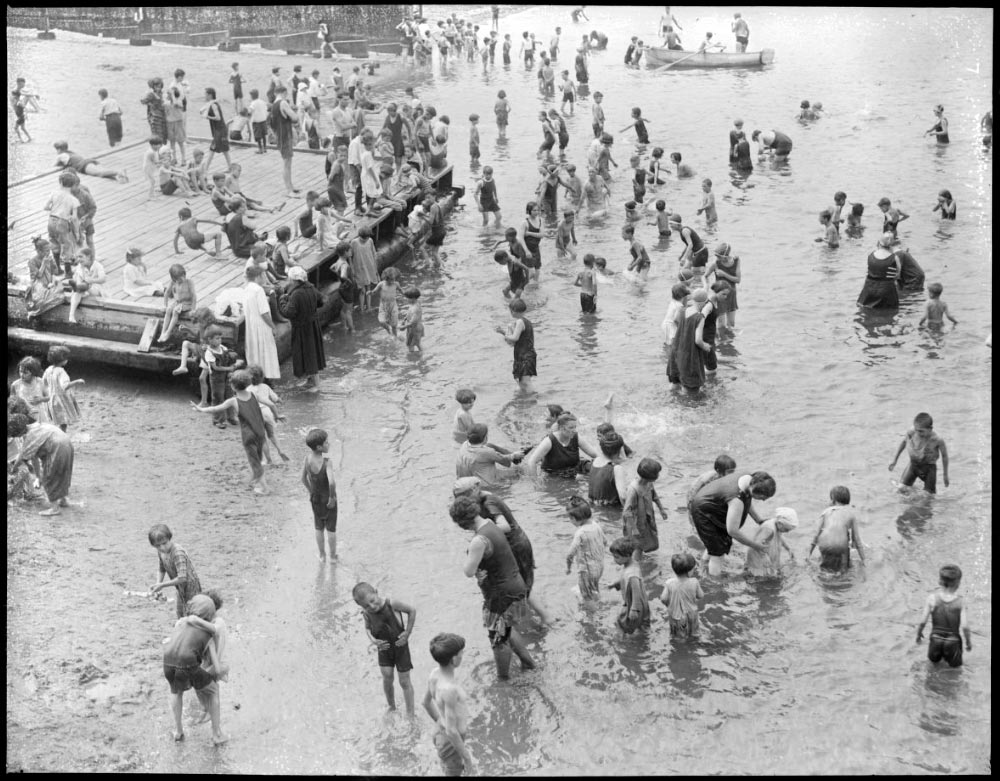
pixel 586 337
pixel 913 520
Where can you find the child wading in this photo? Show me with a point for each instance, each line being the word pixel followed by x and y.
pixel 384 624
pixel 945 610
pixel 318 478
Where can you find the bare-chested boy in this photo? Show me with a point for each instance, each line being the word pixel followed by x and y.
pixel 838 531
pixel 193 237
pixel 447 704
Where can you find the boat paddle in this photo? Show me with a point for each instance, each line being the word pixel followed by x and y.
pixel 671 64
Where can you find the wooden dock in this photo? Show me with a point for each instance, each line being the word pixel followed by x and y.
pixel 126 218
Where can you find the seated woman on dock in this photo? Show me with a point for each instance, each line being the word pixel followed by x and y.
pixel 45 280
pixel 88 277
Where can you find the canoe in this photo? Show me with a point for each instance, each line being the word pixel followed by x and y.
pixel 660 55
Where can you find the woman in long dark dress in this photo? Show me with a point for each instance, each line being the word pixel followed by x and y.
pixel 687 359
pixel 880 291
pixel 300 304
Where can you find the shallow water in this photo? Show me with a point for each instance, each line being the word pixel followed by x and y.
pixel 812 674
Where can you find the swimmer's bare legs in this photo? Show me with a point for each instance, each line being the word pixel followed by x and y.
pixel 177 706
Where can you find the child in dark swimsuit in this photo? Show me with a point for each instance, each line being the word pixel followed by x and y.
pixel 946 611
pixel 384 624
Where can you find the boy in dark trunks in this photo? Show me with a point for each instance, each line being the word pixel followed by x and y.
pixel 193 237
pixel 946 611
pixel 384 624
pixel 924 448
pixel 318 478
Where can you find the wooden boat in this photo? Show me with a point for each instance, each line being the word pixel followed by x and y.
pixel 661 55
pixel 114 327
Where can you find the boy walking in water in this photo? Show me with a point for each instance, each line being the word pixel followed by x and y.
pixel 587 547
pixel 838 531
pixel 937 310
pixel 588 285
pixel 946 611
pixel 447 704
pixel 924 448
pixel 317 477
pixel 384 624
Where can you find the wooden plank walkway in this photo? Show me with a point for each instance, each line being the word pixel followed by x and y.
pixel 125 218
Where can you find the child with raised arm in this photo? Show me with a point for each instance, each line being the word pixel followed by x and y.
pixel 194 238
pixel 318 478
pixel 937 310
pixel 945 609
pixel 635 604
pixel 447 704
pixel 641 134
pixel 566 236
pixel 384 625
pixel 767 562
pixel 587 548
pixel 182 664
pixel 837 532
pixel 681 594
pixel 175 567
pixel 924 448
pixel 251 421
pixel 638 518
pixel 62 406
pixel 588 285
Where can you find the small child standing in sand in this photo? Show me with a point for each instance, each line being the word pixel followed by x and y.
pixel 384 624
pixel 388 307
pixel 318 478
pixel 767 563
pixel 587 547
pixel 937 310
pixel 681 594
pixel 30 386
pixel 175 565
pixel 463 416
pixel 946 611
pixel 62 405
pixel 413 321
pixel 837 532
pixel 924 448
pixel 635 604
pixel 251 420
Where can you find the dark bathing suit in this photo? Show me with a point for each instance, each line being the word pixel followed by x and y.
pixel 524 352
pixel 324 518
pixel 386 624
pixel 945 641
pixel 709 509
pixel 562 460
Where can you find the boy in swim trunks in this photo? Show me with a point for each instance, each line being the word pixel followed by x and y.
pixel 924 448
pixel 193 237
pixel 946 611
pixel 384 624
pixel 447 704
pixel 838 531
pixel 182 657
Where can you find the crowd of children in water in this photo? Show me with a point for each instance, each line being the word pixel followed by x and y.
pixel 42 404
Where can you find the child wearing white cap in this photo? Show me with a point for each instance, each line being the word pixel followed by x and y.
pixel 769 534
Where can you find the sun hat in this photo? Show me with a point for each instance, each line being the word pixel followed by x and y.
pixel 884 202
pixel 465 485
pixel 298 273
pixel 886 240
pixel 675 217
pixel 722 250
pixel 786 518
pixel 700 296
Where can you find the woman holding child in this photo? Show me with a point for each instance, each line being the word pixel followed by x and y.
pixel 300 304
pixel 720 508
